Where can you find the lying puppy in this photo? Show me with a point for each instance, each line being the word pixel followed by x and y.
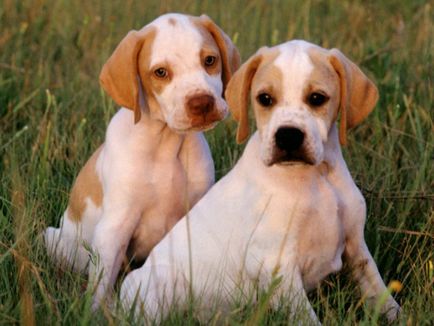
pixel 155 163
pixel 289 209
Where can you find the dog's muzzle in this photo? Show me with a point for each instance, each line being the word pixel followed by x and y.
pixel 290 146
pixel 200 104
pixel 202 111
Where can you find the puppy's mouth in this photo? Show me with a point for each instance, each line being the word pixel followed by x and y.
pixel 290 147
pixel 203 127
pixel 295 159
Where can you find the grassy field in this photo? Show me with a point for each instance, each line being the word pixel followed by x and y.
pixel 53 115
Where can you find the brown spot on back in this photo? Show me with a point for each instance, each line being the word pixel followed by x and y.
pixel 87 185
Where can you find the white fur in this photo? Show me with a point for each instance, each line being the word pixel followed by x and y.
pixel 147 170
pixel 188 79
pixel 292 111
pixel 262 222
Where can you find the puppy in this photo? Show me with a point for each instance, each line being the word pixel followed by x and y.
pixel 155 164
pixel 289 209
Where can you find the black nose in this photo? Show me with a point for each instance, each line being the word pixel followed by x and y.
pixel 289 139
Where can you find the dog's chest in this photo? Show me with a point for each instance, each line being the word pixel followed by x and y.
pixel 320 237
pixel 167 200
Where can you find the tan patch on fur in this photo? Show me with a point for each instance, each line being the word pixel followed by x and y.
pixel 154 84
pixel 210 50
pixel 268 79
pixel 237 92
pixel 119 74
pixel 358 94
pixel 151 85
pixel 87 185
pixel 172 21
pixel 324 77
pixel 230 58
pixel 208 47
pixel 324 169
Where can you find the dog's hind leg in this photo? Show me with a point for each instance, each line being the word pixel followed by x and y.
pixel 66 246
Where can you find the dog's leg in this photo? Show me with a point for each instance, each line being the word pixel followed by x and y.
pixel 154 288
pixel 66 246
pixel 366 273
pixel 110 242
pixel 291 289
pixel 356 252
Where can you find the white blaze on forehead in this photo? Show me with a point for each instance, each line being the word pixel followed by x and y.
pixel 296 67
pixel 177 47
pixel 291 110
pixel 173 45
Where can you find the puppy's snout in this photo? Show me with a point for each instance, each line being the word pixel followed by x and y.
pixel 200 104
pixel 289 139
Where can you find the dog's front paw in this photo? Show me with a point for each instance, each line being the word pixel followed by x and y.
pixel 391 310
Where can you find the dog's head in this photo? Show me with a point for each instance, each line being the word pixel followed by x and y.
pixel 175 68
pixel 297 90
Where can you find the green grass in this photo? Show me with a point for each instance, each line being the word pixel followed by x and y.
pixel 53 114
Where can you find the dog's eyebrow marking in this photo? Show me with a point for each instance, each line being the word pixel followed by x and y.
pixel 322 69
pixel 151 88
pixel 208 41
pixel 172 21
pixel 322 78
pixel 269 77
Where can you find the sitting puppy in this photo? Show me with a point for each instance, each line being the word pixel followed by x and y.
pixel 289 209
pixel 155 163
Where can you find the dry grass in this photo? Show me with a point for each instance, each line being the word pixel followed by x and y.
pixel 53 115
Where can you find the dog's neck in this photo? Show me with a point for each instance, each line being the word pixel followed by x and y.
pixel 333 159
pixel 332 148
pixel 163 139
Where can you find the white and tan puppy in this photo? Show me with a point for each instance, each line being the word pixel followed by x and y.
pixel 289 209
pixel 155 163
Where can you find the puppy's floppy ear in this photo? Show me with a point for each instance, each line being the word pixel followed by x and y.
pixel 119 75
pixel 358 94
pixel 229 53
pixel 237 95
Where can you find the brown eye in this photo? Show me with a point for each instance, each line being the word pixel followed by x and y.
pixel 265 99
pixel 317 99
pixel 160 73
pixel 209 60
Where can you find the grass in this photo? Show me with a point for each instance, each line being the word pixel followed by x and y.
pixel 53 115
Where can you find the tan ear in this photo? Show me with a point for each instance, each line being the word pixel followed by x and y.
pixel 358 94
pixel 119 75
pixel 237 95
pixel 229 53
